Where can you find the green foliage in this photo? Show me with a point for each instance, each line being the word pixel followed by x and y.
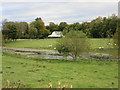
pixel 116 36
pixel 72 27
pixel 32 33
pixel 40 27
pixel 10 33
pixel 103 27
pixel 52 27
pixel 45 33
pixel 74 43
pixel 97 28
pixel 100 27
pixel 62 25
pixel 22 30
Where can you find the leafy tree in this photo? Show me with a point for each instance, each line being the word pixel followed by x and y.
pixel 116 36
pixel 62 25
pixel 10 33
pixel 52 27
pixel 32 33
pixel 74 43
pixel 85 27
pixel 96 26
pixel 39 25
pixel 22 29
pixel 72 27
pixel 45 33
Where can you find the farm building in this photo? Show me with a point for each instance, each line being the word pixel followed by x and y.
pixel 56 34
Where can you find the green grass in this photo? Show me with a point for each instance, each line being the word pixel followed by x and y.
pixel 80 74
pixel 33 43
pixel 44 43
pixel 100 42
pixel 94 43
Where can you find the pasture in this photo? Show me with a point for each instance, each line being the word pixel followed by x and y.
pixel 33 43
pixel 39 73
pixel 45 43
pixel 50 44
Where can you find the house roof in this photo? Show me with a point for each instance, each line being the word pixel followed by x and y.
pixel 56 34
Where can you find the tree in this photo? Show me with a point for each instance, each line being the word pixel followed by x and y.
pixel 45 33
pixel 9 31
pixel 32 33
pixel 62 25
pixel 52 27
pixel 39 25
pixel 22 29
pixel 74 43
pixel 96 26
pixel 116 36
pixel 72 27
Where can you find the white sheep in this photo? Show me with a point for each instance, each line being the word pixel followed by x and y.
pixel 101 47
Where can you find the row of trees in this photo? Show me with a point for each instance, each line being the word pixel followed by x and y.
pixel 97 28
pixel 23 30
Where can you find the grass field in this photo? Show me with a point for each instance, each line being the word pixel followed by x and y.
pixel 51 44
pixel 33 43
pixel 38 73
pixel 80 74
pixel 44 43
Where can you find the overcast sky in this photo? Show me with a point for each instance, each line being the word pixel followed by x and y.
pixel 57 11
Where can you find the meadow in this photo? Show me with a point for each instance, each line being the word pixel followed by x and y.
pixel 50 44
pixel 39 73
pixel 45 43
pixel 33 43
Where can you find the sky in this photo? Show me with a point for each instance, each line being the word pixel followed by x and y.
pixel 57 10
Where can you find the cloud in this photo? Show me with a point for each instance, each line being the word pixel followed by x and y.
pixel 69 12
pixel 59 0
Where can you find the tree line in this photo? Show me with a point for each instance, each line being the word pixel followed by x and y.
pixel 101 27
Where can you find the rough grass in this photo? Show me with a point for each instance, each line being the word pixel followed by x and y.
pixel 80 74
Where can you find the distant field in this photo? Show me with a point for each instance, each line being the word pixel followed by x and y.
pixel 33 43
pixel 80 74
pixel 46 43
pixel 51 44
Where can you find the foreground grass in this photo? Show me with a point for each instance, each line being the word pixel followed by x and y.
pixel 80 74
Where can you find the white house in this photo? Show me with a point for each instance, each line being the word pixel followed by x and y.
pixel 56 34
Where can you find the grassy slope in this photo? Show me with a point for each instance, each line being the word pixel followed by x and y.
pixel 81 74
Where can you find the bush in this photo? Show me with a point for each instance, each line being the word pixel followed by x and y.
pixel 73 44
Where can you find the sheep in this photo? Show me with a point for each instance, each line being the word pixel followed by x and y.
pixel 101 48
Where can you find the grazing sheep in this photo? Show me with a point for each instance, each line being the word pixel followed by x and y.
pixel 101 48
